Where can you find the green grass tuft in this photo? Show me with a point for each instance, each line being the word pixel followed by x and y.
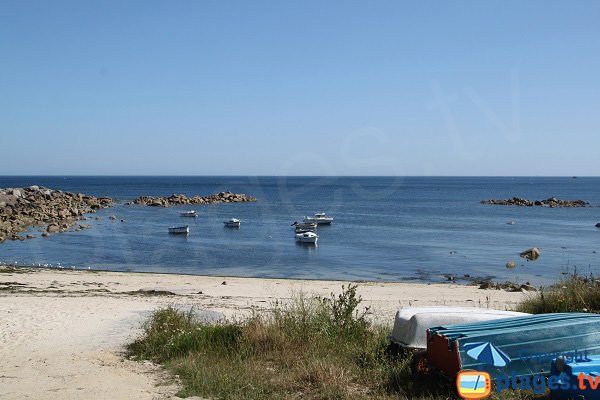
pixel 574 293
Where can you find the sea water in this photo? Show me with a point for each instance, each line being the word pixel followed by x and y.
pixel 385 228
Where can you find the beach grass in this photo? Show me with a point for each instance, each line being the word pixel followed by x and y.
pixel 308 348
pixel 572 293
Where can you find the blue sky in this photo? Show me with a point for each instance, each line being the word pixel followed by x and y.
pixel 299 88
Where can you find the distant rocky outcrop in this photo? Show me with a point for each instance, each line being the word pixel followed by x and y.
pixel 180 199
pixel 551 202
pixel 23 208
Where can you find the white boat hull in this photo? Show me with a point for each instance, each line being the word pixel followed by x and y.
pixel 307 237
pixel 411 323
pixel 181 230
pixel 319 219
pixel 232 223
pixel 188 214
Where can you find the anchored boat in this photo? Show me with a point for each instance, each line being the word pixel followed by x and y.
pixel 183 230
pixel 307 237
pixel 304 227
pixel 319 219
pixel 232 223
pixel 189 214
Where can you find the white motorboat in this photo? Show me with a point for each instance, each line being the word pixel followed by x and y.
pixel 307 237
pixel 189 214
pixel 180 230
pixel 319 219
pixel 232 223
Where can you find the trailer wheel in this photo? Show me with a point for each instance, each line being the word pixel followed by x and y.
pixel 419 364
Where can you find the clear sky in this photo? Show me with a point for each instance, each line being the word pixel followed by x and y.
pixel 300 87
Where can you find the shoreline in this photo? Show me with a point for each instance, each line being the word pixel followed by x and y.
pixel 64 331
pixel 450 279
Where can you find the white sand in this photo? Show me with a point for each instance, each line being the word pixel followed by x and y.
pixel 62 333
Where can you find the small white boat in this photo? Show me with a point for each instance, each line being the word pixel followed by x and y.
pixel 307 237
pixel 180 230
pixel 319 219
pixel 189 214
pixel 309 225
pixel 233 223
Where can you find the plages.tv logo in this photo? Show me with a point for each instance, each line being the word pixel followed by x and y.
pixel 473 385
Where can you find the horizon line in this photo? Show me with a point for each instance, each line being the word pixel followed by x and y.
pixel 294 176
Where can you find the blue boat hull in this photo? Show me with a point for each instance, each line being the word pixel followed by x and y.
pixel 519 346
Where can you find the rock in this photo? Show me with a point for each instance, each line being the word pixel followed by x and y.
pixel 30 237
pixel 527 288
pixel 52 228
pixel 224 283
pixel 179 199
pixel 22 208
pixel 511 265
pixel 112 217
pixel 486 285
pixel 45 234
pixel 531 254
pixel 550 202
pixel 598 225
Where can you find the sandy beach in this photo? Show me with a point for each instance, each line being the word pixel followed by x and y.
pixel 62 332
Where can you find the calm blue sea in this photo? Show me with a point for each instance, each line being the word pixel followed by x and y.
pixel 385 228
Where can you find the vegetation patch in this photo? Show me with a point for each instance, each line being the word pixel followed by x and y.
pixel 310 348
pixel 574 293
